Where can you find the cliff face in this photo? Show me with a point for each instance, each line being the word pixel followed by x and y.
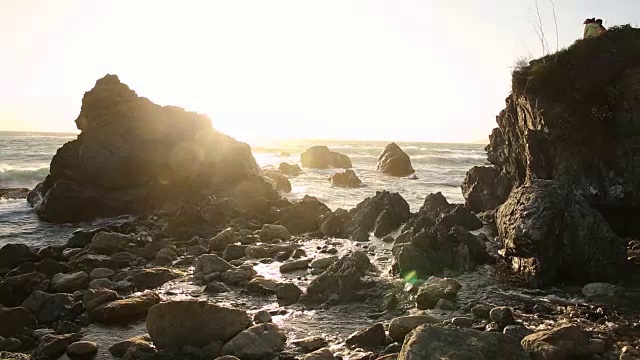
pixel 133 155
pixel 574 117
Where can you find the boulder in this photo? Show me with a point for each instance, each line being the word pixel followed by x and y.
pixel 109 243
pixel 401 326
pixel 601 291
pixel 210 263
pixel 485 188
pixel 234 252
pixel 257 342
pixel 346 179
pixel 93 298
pixel 294 265
pixel 12 255
pixel 50 308
pixel 15 289
pixel 395 162
pixel 429 342
pixel 53 346
pixel 458 215
pixel 281 183
pixel 235 276
pixel 222 240
pixel 434 205
pixel 382 214
pixel 88 262
pixel 435 289
pixel 81 238
pixel 567 342
pixel 269 232
pixel 320 157
pixel 502 315
pixel 322 354
pixel 82 348
pixel 288 169
pixel 125 310
pixel 51 267
pixel 302 217
pixel 268 250
pixel 133 156
pixel 311 343
pixel 119 349
pixel 68 283
pixel 101 273
pixel 343 279
pixel 5 355
pixel 550 233
pixel 175 324
pixel 149 278
pixel 288 294
pixel 368 338
pixel 13 320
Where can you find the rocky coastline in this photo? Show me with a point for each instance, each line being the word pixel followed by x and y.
pixel 538 263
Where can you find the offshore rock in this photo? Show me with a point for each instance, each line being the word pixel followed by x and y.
pixel 320 157
pixel 281 183
pixel 395 162
pixel 134 156
pixel 346 179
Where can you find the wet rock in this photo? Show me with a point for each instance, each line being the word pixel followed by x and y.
pixel 462 321
pixel 215 288
pixel 15 289
pixel 323 263
pixel 429 342
pixel 311 343
pixel 82 348
pixel 12 255
pixel 302 217
pixel 281 183
pixel 262 317
pixel 517 332
pixel 288 169
pixel 435 289
pixel 294 265
pixel 288 294
pixel 485 188
pixel 234 252
pixel 13 193
pixel 459 215
pixel 125 310
pixel 262 286
pixel 175 324
pixel 256 343
pixel 551 233
pixel 395 162
pixel 601 291
pixel 222 240
pixel 267 250
pixel 342 279
pixel 13 320
pixel 49 308
pixel 346 179
pixel 119 349
pixel 150 278
pixel 94 298
pixel 239 275
pixel 401 326
pixel 68 283
pixel 89 262
pixel 211 263
pixel 53 346
pixel 51 267
pixel 381 214
pixel 81 238
pixel 502 315
pixel 109 243
pixel 320 157
pixel 322 354
pixel 269 232
pixel 566 342
pixel 101 273
pixel 371 337
pixel 67 327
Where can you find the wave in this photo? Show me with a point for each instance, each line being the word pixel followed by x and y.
pixel 22 177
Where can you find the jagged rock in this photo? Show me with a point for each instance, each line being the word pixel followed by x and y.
pixel 53 346
pixel 50 308
pixel 280 180
pixel 333 223
pixel 288 169
pixel 82 348
pixel 435 289
pixel 320 157
pixel 125 310
pixel 302 216
pixel 133 155
pixel 269 232
pixel 485 188
pixel 381 214
pixel 109 243
pixel 434 205
pixel 222 240
pixel 68 283
pixel 13 320
pixel 150 278
pixel 371 337
pixel 175 324
pixel 343 278
pixel 567 342
pixel 346 179
pixel 459 215
pixel 551 233
pixel 395 162
pixel 12 255
pixel 477 248
pixel 429 342
pixel 256 343
pixel 15 289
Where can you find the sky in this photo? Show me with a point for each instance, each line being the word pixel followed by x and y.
pixel 402 70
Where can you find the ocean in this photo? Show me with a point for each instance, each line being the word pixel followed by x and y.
pixel 25 159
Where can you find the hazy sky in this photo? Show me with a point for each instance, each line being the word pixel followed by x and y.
pixel 428 70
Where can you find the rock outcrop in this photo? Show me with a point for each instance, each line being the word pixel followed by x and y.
pixel 381 214
pixel 346 179
pixel 280 181
pixel 395 162
pixel 485 188
pixel 320 157
pixel 133 156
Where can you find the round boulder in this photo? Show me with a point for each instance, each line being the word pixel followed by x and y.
pixel 395 162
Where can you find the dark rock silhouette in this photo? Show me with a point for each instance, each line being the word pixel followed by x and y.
pixel 485 188
pixel 395 162
pixel 133 155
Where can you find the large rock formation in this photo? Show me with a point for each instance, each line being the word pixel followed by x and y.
pixel 133 155
pixel 485 188
pixel 395 162
pixel 320 157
